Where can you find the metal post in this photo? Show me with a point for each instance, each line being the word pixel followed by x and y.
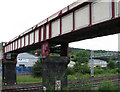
pixel 92 63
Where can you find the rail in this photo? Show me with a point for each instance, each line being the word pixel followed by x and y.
pixel 74 84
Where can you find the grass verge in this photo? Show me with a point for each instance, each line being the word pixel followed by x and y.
pixel 80 76
pixel 28 79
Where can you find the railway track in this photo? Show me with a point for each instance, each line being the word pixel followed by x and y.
pixel 34 87
pixel 74 84
pixel 92 81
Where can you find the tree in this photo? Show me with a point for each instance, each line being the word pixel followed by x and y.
pixel 77 67
pixel 82 56
pixel 37 69
pixel 83 69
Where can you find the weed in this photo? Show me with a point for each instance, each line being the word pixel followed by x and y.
pixel 107 85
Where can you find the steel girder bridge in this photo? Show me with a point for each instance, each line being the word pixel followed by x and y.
pixel 81 20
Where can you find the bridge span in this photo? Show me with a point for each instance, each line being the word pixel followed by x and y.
pixel 78 21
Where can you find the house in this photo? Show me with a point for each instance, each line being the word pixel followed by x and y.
pixel 25 61
pixel 97 62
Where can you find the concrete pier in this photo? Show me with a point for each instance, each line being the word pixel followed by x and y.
pixel 54 69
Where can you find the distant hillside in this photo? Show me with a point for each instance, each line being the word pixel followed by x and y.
pixel 75 50
pixel 71 49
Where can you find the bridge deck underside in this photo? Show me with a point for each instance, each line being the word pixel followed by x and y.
pixel 97 30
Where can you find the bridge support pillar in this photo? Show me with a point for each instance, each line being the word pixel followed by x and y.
pixel 9 73
pixel 9 69
pixel 54 69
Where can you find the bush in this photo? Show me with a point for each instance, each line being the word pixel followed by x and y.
pixel 104 68
pixel 115 70
pixel 118 70
pixel 98 71
pixel 111 65
pixel 70 71
pixel 118 64
pixel 37 69
pixel 77 66
pixel 83 69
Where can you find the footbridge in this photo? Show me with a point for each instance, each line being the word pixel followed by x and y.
pixel 84 19
pixel 78 21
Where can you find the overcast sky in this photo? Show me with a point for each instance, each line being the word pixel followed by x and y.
pixel 16 16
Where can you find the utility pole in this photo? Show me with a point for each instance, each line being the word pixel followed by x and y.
pixel 92 63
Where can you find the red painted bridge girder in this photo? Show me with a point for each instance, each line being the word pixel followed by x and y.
pixel 56 24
